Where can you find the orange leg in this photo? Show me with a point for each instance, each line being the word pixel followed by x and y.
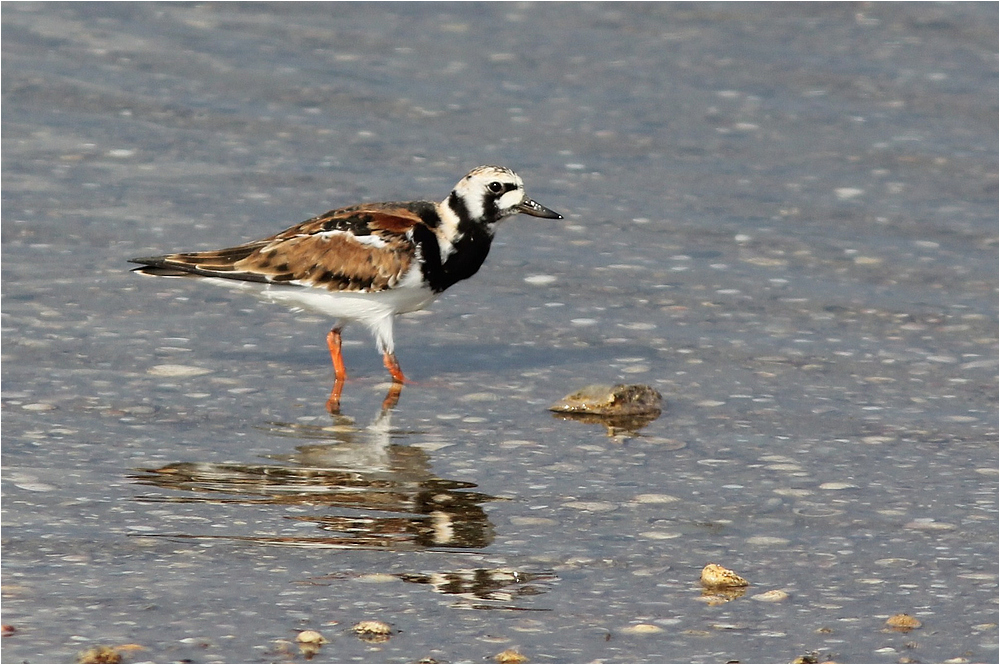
pixel 333 402
pixel 392 365
pixel 333 343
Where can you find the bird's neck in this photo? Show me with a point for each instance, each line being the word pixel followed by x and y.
pixel 456 248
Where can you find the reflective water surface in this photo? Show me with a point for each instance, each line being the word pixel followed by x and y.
pixel 782 218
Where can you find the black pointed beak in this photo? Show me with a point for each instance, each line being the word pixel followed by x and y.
pixel 535 209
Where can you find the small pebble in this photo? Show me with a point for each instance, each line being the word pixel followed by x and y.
pixel 99 654
pixel 660 535
pixel 510 656
pixel 592 506
pixel 617 400
pixel 373 631
pixel 177 370
pixel 847 193
pixel 310 637
pixel 903 623
pixel 654 498
pixel 39 406
pixel 642 629
pixel 772 596
pixel 714 575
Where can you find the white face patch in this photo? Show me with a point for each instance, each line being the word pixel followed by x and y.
pixel 510 200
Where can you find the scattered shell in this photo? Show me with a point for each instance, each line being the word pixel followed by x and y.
pixel 39 406
pixel 642 629
pixel 714 575
pixel 619 407
pixel 592 506
pixel 617 400
pixel 510 656
pixel 660 535
pixel 310 637
pixel 772 596
pixel 903 623
pixel 373 631
pixel 99 654
pixel 837 486
pixel 929 525
pixel 376 627
pixel 177 370
pixel 654 498
pixel 767 541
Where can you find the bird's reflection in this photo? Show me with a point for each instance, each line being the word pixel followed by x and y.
pixel 354 484
pixel 485 588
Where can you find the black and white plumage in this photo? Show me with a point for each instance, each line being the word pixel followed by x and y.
pixel 368 262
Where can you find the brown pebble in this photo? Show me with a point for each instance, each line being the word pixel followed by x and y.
pixel 510 656
pixel 374 627
pixel 617 400
pixel 714 575
pixel 99 654
pixel 903 623
pixel 8 630
pixel 373 631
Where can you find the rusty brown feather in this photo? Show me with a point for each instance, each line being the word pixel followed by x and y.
pixel 361 248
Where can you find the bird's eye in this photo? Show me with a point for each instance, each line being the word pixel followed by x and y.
pixel 495 187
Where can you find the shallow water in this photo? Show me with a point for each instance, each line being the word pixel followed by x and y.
pixel 781 217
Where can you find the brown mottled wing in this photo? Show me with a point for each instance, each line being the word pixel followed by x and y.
pixel 361 248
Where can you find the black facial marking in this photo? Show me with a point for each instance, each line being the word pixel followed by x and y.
pixel 456 203
pixel 470 253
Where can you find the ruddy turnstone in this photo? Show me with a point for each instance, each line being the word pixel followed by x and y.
pixel 368 262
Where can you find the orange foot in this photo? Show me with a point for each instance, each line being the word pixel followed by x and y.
pixel 392 365
pixel 333 402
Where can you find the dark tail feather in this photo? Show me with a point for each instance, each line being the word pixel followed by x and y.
pixel 201 265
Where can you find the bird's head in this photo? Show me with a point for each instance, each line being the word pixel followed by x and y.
pixel 490 193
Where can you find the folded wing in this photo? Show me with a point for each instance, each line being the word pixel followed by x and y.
pixel 362 248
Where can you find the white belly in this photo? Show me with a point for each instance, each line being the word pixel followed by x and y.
pixel 351 305
pixel 374 309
